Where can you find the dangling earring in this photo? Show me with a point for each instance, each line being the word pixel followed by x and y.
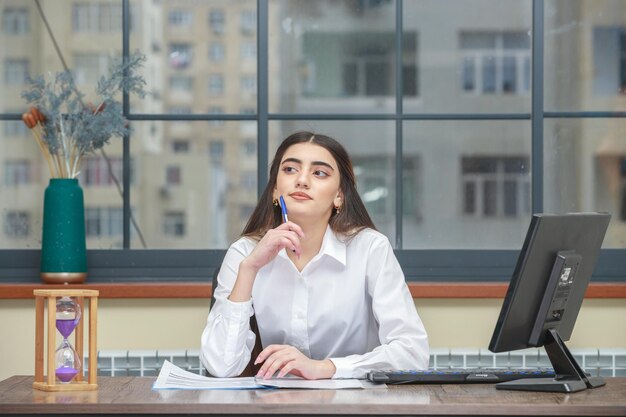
pixel 275 202
pixel 337 209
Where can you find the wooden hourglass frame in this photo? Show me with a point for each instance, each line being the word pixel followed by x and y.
pixel 49 298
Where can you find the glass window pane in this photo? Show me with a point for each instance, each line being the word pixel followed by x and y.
pixel 196 199
pixel 461 66
pixel 585 170
pixel 371 147
pixel 329 56
pixel 200 55
pixel 464 188
pixel 584 55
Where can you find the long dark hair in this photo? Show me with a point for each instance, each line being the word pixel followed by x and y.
pixel 351 219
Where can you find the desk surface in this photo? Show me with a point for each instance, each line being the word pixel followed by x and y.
pixel 134 395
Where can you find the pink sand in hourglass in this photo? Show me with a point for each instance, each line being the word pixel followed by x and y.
pixel 66 327
pixel 65 374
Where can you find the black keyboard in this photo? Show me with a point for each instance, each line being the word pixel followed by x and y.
pixel 457 376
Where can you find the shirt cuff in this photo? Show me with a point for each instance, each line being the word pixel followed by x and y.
pixel 237 311
pixel 344 368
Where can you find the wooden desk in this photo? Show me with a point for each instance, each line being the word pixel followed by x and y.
pixel 134 396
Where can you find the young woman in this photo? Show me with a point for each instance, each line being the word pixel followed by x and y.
pixel 327 291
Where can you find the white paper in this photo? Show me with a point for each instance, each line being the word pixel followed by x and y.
pixel 173 377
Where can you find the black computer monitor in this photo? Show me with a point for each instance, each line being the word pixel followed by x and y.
pixel 545 294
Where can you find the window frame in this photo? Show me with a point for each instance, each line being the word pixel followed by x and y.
pixel 450 265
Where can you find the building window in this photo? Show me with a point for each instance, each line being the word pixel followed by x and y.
pixel 89 68
pixel 216 84
pixel 248 84
pixel 95 171
pixel 495 63
pixel 179 109
pixel 217 21
pixel 104 222
pixel 495 186
pixel 609 60
pixel 97 17
pixel 248 148
pixel 248 51
pixel 366 65
pixel 180 55
pixel 15 71
pixel 174 223
pixel 248 22
pixel 15 21
pixel 13 128
pixel 173 175
pixel 180 146
pixel 16 224
pixel 180 18
pixel 216 52
pixel 248 180
pixel 216 151
pixel 181 83
pixel 17 172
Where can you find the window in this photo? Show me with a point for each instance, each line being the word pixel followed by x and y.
pixel 15 21
pixel 248 180
pixel 248 84
pixel 609 60
pixel 180 146
pixel 17 172
pixel 95 171
pixel 495 186
pixel 174 223
pixel 173 175
pixel 15 71
pixel 16 224
pixel 495 63
pixel 17 129
pixel 181 83
pixel 364 64
pixel 216 84
pixel 217 21
pixel 216 52
pixel 248 22
pixel 89 68
pixel 248 148
pixel 103 222
pixel 248 51
pixel 182 18
pixel 180 55
pixel 97 17
pixel 216 151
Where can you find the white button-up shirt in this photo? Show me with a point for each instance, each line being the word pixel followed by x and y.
pixel 349 304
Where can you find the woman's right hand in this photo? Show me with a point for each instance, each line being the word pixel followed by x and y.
pixel 286 236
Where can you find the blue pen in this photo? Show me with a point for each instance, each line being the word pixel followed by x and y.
pixel 283 209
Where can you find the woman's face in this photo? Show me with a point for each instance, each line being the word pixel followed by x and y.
pixel 308 179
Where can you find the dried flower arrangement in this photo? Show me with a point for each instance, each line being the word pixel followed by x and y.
pixel 65 128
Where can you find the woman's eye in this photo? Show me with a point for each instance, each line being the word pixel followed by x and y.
pixel 289 169
pixel 320 174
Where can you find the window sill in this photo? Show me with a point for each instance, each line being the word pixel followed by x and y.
pixel 203 290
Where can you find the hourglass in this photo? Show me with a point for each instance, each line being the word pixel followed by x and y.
pixel 64 364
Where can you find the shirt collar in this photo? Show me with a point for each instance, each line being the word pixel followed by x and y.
pixel 331 246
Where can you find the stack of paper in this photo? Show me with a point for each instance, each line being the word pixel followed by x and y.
pixel 173 377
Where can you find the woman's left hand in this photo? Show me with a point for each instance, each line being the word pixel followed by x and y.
pixel 287 359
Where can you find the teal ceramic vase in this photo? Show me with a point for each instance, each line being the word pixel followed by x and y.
pixel 63 248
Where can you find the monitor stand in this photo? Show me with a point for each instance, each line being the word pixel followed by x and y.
pixel 569 375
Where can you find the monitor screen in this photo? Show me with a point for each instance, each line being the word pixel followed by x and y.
pixel 545 294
